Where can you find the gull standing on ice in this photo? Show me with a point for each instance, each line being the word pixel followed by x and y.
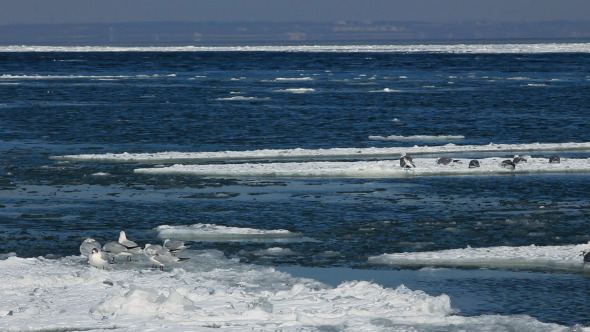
pixel 474 163
pixel 87 246
pixel 406 161
pixel 586 255
pixel 154 249
pixel 132 247
pixel 150 251
pixel 175 246
pixel 115 249
pixel 446 161
pixel 161 256
pixel 508 164
pixel 518 160
pixel 99 259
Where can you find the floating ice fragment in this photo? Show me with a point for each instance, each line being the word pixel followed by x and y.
pixel 299 153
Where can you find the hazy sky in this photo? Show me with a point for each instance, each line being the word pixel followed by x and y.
pixel 112 11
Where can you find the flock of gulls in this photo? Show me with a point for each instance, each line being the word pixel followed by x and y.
pixel 159 255
pixel 406 162
pixel 165 254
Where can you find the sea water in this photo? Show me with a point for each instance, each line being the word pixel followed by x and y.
pixel 280 165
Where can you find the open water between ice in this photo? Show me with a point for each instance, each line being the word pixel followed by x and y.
pixel 280 165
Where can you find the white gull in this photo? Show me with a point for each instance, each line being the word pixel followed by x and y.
pixel 161 256
pixel 132 247
pixel 175 246
pixel 87 246
pixel 99 259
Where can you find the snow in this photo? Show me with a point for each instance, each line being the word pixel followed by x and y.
pixel 241 98
pixel 293 79
pixel 212 232
pixel 565 257
pixel 212 292
pixel 416 138
pixel 269 154
pixel 387 90
pixel 387 166
pixel 101 174
pixel 508 48
pixel 371 169
pixel 297 90
pixel 95 77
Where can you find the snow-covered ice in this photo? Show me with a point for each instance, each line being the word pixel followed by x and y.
pixel 212 232
pixel 566 257
pixel 211 292
pixel 297 90
pixel 278 154
pixel 371 169
pixel 242 98
pixel 416 138
pixel 506 48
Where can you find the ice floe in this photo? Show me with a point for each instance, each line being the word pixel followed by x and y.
pixel 210 291
pixel 505 48
pixel 242 98
pixel 372 169
pixel 297 90
pixel 566 257
pixel 212 232
pixel 417 138
pixel 271 154
pixel 293 79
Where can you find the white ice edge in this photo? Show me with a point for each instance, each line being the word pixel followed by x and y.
pixel 212 232
pixel 298 153
pixel 566 257
pixel 210 291
pixel 515 48
pixel 97 77
pixel 297 90
pixel 416 138
pixel 372 169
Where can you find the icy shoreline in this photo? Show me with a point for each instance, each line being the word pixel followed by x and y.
pixel 506 48
pixel 212 292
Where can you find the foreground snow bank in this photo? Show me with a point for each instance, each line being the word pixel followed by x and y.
pixel 211 291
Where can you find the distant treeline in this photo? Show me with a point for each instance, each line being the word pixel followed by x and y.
pixel 173 32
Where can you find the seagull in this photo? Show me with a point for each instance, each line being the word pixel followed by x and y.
pixel 131 246
pixel 115 249
pixel 154 249
pixel 175 246
pixel 554 159
pixel 586 254
pixel 518 160
pixel 87 246
pixel 508 164
pixel 406 161
pixel 446 161
pixel 150 250
pixel 161 256
pixel 474 163
pixel 99 259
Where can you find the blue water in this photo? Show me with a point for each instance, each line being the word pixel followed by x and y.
pixel 55 103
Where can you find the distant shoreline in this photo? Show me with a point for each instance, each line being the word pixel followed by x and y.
pixel 291 32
